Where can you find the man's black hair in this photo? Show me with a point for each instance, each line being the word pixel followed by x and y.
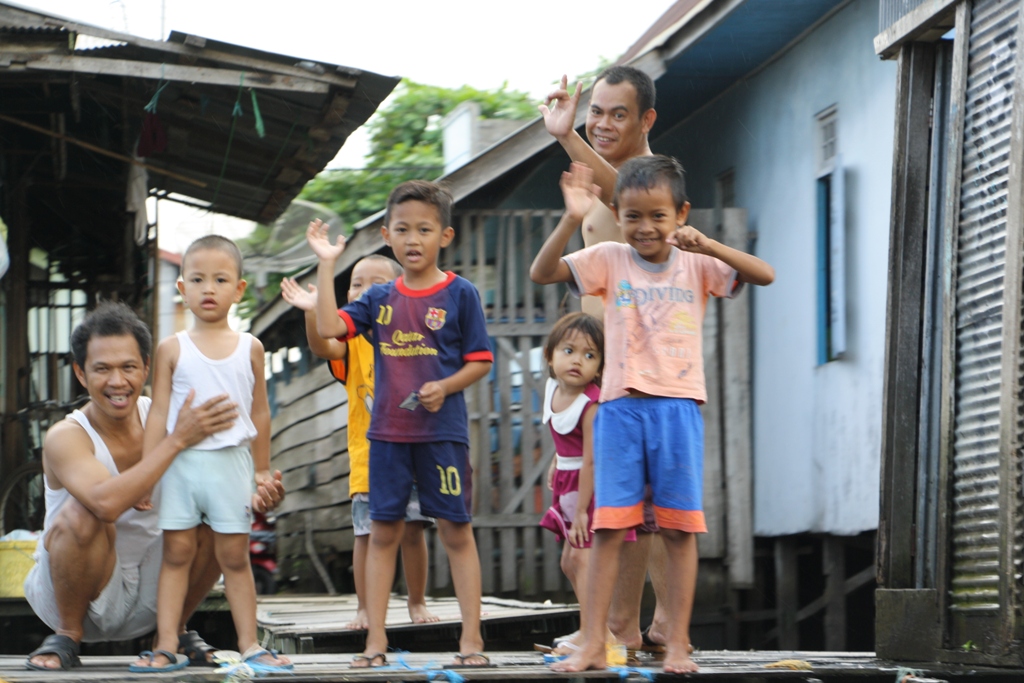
pixel 642 83
pixel 110 319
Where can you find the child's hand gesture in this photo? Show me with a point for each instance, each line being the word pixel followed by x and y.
pixel 551 475
pixel 689 238
pixel 579 190
pixel 432 396
pixel 560 119
pixel 579 532
pixel 294 294
pixel 320 243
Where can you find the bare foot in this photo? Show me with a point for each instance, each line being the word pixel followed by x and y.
pixel 419 614
pixel 587 657
pixel 360 623
pixel 470 644
pixel 679 663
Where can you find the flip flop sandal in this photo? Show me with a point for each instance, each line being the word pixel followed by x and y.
pixel 65 648
pixel 255 652
pixel 176 662
pixel 369 659
pixel 198 651
pixel 460 660
pixel 648 643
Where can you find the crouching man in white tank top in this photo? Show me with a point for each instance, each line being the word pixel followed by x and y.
pixel 98 560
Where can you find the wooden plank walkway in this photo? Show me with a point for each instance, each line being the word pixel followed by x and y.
pixel 525 666
pixel 317 623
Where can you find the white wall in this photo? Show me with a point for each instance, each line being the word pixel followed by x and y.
pixel 817 429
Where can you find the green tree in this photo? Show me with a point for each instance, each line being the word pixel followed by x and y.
pixel 405 143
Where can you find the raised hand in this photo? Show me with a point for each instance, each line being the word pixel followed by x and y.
pixel 320 241
pixel 689 238
pixel 294 294
pixel 579 190
pixel 560 118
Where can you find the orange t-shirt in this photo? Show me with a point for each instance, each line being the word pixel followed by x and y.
pixel 653 316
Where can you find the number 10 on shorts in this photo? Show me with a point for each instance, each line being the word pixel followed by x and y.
pixel 451 485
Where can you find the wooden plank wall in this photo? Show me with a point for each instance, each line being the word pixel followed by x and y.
pixel 510 449
pixel 310 447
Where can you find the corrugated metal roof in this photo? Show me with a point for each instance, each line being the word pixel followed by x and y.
pixel 308 109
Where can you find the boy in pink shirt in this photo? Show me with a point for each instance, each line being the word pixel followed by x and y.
pixel 649 428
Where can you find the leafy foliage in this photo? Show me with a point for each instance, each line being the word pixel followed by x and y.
pixel 405 143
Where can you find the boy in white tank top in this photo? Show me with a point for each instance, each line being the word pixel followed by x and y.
pixel 212 482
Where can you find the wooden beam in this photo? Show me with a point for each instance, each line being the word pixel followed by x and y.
pixel 193 49
pixel 175 72
pixel 912 25
pixel 99 150
pixel 738 428
pixel 901 395
pixel 787 594
pixel 834 568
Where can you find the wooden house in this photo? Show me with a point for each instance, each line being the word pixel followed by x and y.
pixel 745 94
pixel 96 123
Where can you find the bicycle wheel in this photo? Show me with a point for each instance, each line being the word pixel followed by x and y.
pixel 23 499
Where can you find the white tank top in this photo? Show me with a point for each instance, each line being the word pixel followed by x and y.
pixel 136 530
pixel 232 376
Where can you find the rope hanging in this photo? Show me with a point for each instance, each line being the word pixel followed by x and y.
pixel 235 114
pixel 151 106
pixel 260 130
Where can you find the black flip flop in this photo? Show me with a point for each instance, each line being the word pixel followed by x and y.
pixel 369 659
pixel 461 659
pixel 65 648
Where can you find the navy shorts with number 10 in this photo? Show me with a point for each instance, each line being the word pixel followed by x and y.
pixel 440 470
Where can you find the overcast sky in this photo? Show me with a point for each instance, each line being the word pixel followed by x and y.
pixel 528 43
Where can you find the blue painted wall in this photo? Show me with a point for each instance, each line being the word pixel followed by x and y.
pixel 817 428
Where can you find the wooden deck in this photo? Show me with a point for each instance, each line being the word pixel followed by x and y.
pixel 523 666
pixel 317 624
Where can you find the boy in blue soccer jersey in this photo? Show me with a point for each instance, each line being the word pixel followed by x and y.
pixel 430 343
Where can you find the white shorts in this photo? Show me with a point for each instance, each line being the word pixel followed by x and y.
pixel 126 608
pixel 208 487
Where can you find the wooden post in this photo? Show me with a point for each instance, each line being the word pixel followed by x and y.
pixel 834 568
pixel 16 358
pixel 786 593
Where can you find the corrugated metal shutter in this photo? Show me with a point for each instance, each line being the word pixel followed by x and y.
pixel 979 306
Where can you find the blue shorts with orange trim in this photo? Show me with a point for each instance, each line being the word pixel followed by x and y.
pixel 650 440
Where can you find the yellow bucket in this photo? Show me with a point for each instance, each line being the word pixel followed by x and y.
pixel 15 562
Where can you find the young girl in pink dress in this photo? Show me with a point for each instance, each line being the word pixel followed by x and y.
pixel 574 353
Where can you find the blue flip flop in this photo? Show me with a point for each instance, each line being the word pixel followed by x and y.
pixel 176 662
pixel 253 653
